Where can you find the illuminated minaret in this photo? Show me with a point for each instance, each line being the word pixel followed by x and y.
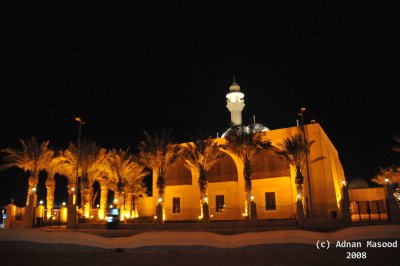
pixel 235 103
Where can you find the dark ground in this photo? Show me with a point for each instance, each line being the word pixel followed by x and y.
pixel 22 253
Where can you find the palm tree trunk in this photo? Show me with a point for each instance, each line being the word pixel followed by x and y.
pixel 247 186
pixel 205 212
pixel 299 190
pixel 128 205
pixel 71 193
pixel 32 183
pixel 103 200
pixel 161 190
pixel 161 184
pixel 50 187
pixel 135 206
pixel 119 195
pixel 85 198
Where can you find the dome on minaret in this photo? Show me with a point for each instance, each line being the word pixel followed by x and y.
pixel 235 103
pixel 234 87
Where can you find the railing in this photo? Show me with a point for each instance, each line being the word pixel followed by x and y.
pixel 368 210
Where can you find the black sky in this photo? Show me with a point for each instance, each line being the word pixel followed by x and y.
pixel 153 67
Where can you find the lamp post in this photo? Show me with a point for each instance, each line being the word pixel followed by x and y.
pixel 301 114
pixel 81 122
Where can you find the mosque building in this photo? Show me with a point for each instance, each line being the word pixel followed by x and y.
pixel 325 197
pixel 273 179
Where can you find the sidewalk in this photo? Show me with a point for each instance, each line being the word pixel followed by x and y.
pixel 275 247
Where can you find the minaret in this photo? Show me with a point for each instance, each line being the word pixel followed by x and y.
pixel 235 103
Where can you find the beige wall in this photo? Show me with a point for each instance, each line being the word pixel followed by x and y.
pixel 367 194
pixel 146 206
pixel 285 195
pixel 231 199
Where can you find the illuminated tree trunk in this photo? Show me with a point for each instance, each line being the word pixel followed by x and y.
pixel 71 193
pixel 50 187
pixel 86 199
pixel 299 181
pixel 128 205
pixel 161 184
pixel 247 187
pixel 32 183
pixel 119 195
pixel 161 190
pixel 103 199
pixel 205 212
pixel 135 199
pixel 71 209
pixel 299 204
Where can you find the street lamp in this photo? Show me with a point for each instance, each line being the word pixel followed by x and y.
pixel 81 122
pixel 301 114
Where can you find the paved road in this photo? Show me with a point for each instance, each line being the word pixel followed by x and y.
pixel 22 253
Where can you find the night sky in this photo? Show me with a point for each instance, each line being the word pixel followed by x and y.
pixel 170 66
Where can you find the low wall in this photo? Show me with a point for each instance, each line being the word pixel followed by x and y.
pixel 194 225
pixel 168 238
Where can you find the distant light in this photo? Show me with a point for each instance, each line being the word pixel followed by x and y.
pixel 386 180
pixel 115 200
pixel 63 204
pixel 252 197
pixel 73 189
pixel 205 199
pixel 199 217
pixel 344 183
pixel 298 196
pixel 159 200
pixel 111 206
pixel 78 119
pixel 98 205
pixel 34 189
pixel 155 217
pixel 41 202
pixel 91 217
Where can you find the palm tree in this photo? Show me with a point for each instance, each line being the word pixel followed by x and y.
pixel 52 168
pixel 157 152
pixel 127 176
pixel 69 165
pixel 119 161
pixel 134 189
pixel 201 155
pixel 295 150
pixel 89 162
pixel 390 174
pixel 92 159
pixel 246 142
pixel 101 172
pixel 32 158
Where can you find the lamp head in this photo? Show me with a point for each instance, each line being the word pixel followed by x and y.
pixel 78 119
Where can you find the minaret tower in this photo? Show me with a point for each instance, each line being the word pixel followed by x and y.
pixel 235 103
